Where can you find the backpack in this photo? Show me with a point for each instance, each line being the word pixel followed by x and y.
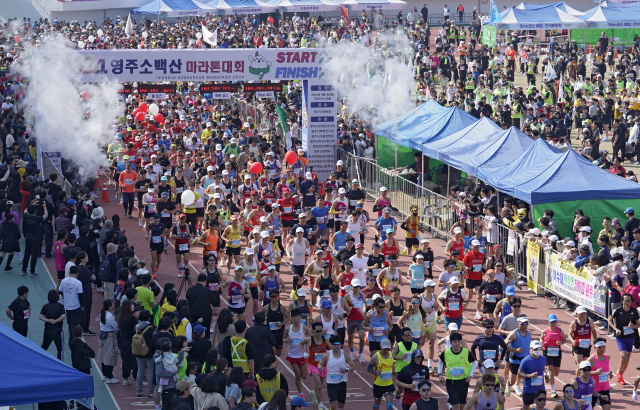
pixel 139 345
pixel 105 266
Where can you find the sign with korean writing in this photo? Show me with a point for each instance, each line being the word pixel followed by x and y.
pixel 576 285
pixel 262 64
pixel 157 96
pixel 533 265
pixel 319 129
pixel 264 94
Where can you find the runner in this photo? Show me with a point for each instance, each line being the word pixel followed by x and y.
pixel 182 233
pixel 395 306
pixel 601 373
pixel 411 376
pixel 474 261
pixel 231 236
pixel 487 399
pixel 624 320
pixel 583 386
pixel 411 225
pixel 158 236
pixel 519 341
pixel 456 365
pixel 317 348
pixel 532 371
pixel 552 339
pixel 429 304
pixel 377 323
pixel 296 353
pixel 489 293
pixel 338 367
pixel 452 302
pixel 238 292
pixel 277 316
pixel 403 350
pixel 356 302
pixel 425 402
pixel 413 317
pixel 490 346
pixel 382 367
pixel 581 331
pixel 490 370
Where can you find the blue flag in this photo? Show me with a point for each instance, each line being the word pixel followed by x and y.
pixel 495 15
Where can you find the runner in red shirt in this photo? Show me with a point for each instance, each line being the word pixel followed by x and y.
pixel 287 205
pixel 474 261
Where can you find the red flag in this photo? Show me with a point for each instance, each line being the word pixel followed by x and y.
pixel 345 13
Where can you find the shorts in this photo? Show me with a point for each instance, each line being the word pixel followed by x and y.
pixel 380 391
pixel 158 247
pixel 625 345
pixel 514 367
pixel 594 400
pixel 246 233
pixel 215 299
pixel 148 215
pixel 553 360
pixel 287 224
pixel 297 270
pixel 200 212
pixel 60 274
pixel 179 252
pixel 300 361
pixel 232 251
pixel 314 370
pixel 341 331
pixel 254 292
pixel 312 240
pixel 488 307
pixel 352 325
pixel 237 310
pixel 374 346
pixel 412 242
pixel 395 334
pixel 331 223
pixel 528 398
pixel 416 291
pixel 279 335
pixel 584 351
pixel 337 392
pixel 432 327
pixel 140 206
pixel 321 233
pixel 457 391
pixel 472 284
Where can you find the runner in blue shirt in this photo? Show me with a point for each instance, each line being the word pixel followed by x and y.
pixel 385 222
pixel 532 372
pixel 320 213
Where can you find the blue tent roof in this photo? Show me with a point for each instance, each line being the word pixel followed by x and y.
pixel 456 148
pixel 174 8
pixel 244 6
pixel 421 125
pixel 561 5
pixel 543 18
pixel 605 16
pixel 573 178
pixel 33 376
pixel 498 152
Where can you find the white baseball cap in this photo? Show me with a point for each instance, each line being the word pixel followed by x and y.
pixel 342 191
pixel 453 326
pixel 457 229
pixel 535 345
pixel 340 163
pixel 581 309
pixel 383 188
pixel 584 363
pixel 454 280
pixel 308 175
pixel 301 291
pixel 300 229
pixel 248 251
pixel 356 282
pixel 475 242
pixel 428 283
pixel 488 363
pixel 264 234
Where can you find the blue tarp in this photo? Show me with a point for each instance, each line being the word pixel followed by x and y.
pixel 424 123
pixel 573 178
pixel 244 6
pixel 550 17
pixel 34 376
pixel 498 152
pixel 618 16
pixel 174 8
pixel 454 149
pixel 561 5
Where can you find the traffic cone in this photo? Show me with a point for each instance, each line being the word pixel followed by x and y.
pixel 95 184
pixel 105 194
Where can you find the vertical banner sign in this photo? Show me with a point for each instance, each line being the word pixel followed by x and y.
pixel 533 265
pixel 319 127
pixel 511 243
pixel 576 285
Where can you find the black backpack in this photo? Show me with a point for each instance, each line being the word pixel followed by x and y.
pixel 105 266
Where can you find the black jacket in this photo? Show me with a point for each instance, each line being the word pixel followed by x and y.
pixel 180 403
pixel 81 354
pixel 10 233
pixel 262 340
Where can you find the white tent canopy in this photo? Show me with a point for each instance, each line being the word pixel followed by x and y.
pixel 175 8
pixel 541 19
pixel 561 5
pixel 307 5
pixel 374 4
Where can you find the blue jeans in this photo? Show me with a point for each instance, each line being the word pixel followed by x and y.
pixel 127 201
pixel 457 321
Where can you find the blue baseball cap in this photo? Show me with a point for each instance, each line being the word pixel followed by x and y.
pixel 299 401
pixel 326 304
pixel 629 211
pixel 71 202
pixel 199 329
pixel 511 291
pixel 552 318
pixel 389 230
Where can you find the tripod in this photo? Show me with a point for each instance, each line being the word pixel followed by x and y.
pixel 186 280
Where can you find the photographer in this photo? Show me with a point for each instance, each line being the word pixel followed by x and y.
pixel 33 233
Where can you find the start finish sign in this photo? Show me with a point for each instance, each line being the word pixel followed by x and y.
pixel 262 64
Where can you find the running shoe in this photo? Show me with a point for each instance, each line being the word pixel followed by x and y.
pixel 361 359
pixel 618 377
pixel 153 275
pixel 24 273
pixel 352 356
pixel 156 269
pixel 554 395
pixel 8 268
pixel 314 397
pixel 33 274
pixel 507 391
pixel 623 382
pixel 634 395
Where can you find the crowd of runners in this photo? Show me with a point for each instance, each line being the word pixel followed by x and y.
pixel 211 184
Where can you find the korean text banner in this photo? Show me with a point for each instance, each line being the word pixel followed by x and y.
pixel 576 285
pixel 533 265
pixel 201 65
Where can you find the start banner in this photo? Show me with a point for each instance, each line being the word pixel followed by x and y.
pixel 264 64
pixel 577 285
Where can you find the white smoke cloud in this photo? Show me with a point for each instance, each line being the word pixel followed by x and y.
pixel 63 121
pixel 369 80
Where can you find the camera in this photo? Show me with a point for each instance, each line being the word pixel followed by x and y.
pixel 187 272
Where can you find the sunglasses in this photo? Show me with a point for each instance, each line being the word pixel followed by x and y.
pixel 318 331
pixel 587 369
pixel 425 390
pixel 542 399
pixel 516 306
pixel 525 324
pixel 408 335
pixel 488 327
pixel 490 384
pixel 336 344
pixel 415 303
pixel 569 391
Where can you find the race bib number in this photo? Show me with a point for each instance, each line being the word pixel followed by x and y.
pixel 417 283
pixel 369 302
pixel 375 271
pixel 603 378
pixel 584 343
pixel 553 351
pixel 586 398
pixel 128 181
pixel 335 378
pixel 180 190
pixel 318 356
pixel 236 299
pixel 269 201
pixel 235 242
pixel 272 172
pixel 288 209
pixel 303 322
pixel 456 371
pixel 385 376
pixel 537 381
pixel 358 304
pixel 320 220
pixel 378 331
pixel 353 202
pixel 416 334
pixel 152 208
pixel 454 306
pixel 489 354
pixel 296 341
pixel 394 319
pixel 273 326
pixel 183 247
pixel 477 268
pixel 25 314
pixel 165 215
pixel 213 286
pixel 249 278
pixel 627 330
pixel 347 288
pixel 491 299
pixel 156 239
pixel 427 265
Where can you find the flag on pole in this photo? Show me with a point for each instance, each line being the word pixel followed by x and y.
pixel 282 120
pixel 428 93
pixel 344 12
pixel 128 29
pixel 495 14
pixel 551 73
pixel 508 102
pixel 209 37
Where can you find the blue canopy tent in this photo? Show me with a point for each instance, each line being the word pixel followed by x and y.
pixel 244 6
pixel 618 16
pixel 373 4
pixel 561 5
pixel 174 8
pixel 460 144
pixel 544 18
pixel 495 154
pixel 34 376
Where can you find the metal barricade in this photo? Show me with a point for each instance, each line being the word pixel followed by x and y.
pixel 48 168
